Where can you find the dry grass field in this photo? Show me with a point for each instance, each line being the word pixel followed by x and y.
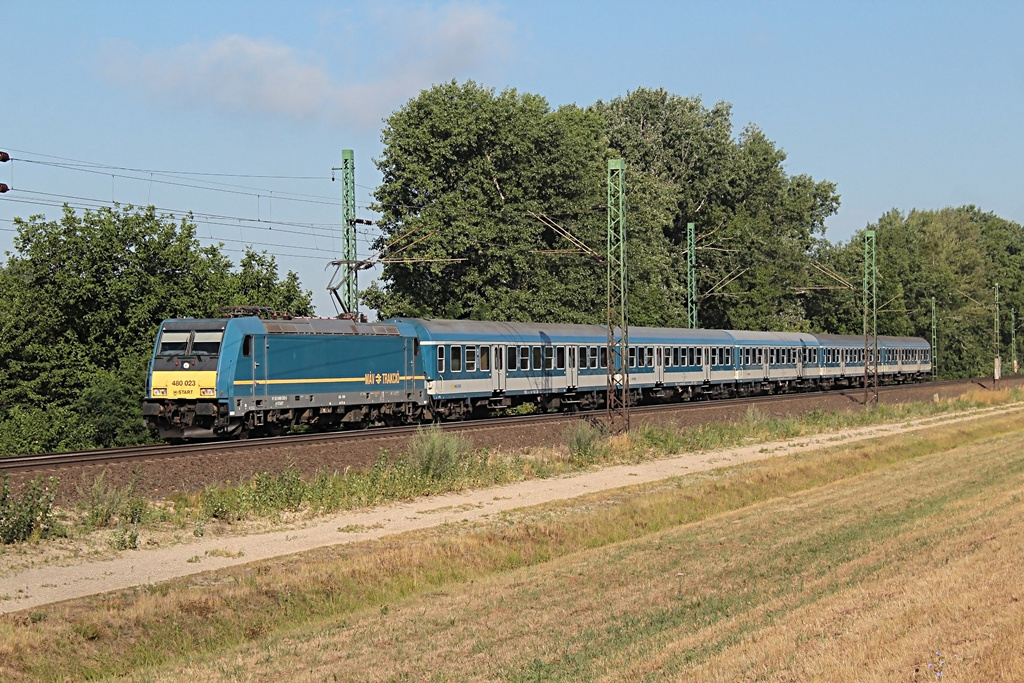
pixel 888 560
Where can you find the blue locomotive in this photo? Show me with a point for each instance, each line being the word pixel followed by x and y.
pixel 235 377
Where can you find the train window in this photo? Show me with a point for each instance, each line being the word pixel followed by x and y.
pixel 524 357
pixel 698 355
pixel 485 358
pixel 456 358
pixel 650 356
pixel 512 356
pixel 728 356
pixel 714 356
pixel 593 357
pixel 470 359
pixel 247 345
pixel 771 356
pixel 535 363
pixel 173 343
pixel 632 356
pixel 440 359
pixel 207 343
pixel 583 357
pixel 604 356
pixel 560 358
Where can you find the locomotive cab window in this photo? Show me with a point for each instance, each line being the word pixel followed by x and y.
pixel 207 343
pixel 173 343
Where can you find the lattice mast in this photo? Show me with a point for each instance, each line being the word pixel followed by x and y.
pixel 935 344
pixel 1013 339
pixel 346 288
pixel 997 361
pixel 618 299
pixel 870 305
pixel 691 276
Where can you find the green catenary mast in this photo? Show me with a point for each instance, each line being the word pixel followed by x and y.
pixel 618 299
pixel 346 289
pixel 691 277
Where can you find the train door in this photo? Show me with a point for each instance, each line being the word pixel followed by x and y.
pixel 498 370
pixel 842 362
pixel 706 363
pixel 259 370
pixel 766 363
pixel 572 369
pixel 659 365
pixel 799 353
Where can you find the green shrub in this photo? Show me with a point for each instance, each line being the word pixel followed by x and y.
pixel 437 455
pixel 125 537
pixel 29 515
pixel 584 439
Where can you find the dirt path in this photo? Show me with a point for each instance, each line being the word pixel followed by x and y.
pixel 27 588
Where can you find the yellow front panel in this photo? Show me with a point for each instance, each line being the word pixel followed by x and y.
pixel 184 384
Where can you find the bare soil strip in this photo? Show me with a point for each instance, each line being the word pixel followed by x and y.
pixel 28 588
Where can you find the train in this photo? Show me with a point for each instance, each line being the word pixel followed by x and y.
pixel 237 377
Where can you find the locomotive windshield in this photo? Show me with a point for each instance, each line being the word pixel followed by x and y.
pixel 175 343
pixel 207 343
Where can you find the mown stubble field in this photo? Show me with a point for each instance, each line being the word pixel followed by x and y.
pixel 894 559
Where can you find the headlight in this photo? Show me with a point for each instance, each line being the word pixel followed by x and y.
pixel 207 392
pixel 159 392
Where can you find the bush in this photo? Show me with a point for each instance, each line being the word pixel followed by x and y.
pixel 29 515
pixel 28 430
pixel 437 455
pixel 583 439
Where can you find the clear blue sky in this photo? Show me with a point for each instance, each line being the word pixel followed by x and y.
pixel 905 105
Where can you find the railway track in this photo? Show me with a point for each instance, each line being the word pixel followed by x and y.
pixel 28 464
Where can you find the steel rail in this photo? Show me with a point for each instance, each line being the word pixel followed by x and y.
pixel 44 461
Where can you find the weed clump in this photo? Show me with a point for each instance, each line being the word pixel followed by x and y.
pixel 29 515
pixel 437 455
pixel 585 440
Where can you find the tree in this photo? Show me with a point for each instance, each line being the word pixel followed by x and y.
pixel 465 171
pixel 756 224
pixel 956 255
pixel 465 168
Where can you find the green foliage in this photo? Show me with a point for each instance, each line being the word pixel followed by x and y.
pixel 125 537
pixel 29 430
pixel 956 255
pixel 583 438
pixel 29 515
pixel 104 504
pixel 80 301
pixel 437 455
pixel 464 168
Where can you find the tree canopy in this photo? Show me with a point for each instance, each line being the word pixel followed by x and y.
pixel 80 301
pixel 468 171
